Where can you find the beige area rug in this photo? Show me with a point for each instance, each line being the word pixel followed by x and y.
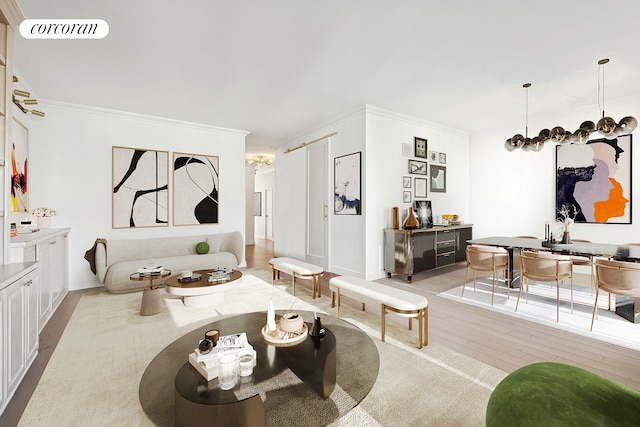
pixel 541 308
pixel 93 376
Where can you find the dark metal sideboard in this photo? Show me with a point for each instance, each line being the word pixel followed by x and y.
pixel 408 252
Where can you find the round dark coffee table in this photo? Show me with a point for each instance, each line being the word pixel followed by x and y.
pixel 297 402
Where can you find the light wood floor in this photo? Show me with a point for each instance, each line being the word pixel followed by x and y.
pixel 493 338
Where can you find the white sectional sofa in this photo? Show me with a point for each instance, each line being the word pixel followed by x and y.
pixel 116 260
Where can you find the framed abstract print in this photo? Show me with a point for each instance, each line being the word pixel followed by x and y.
pixel 347 188
pixel 417 167
pixel 196 189
pixel 140 196
pixel 593 180
pixel 438 179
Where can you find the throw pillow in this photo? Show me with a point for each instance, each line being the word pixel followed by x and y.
pixel 202 248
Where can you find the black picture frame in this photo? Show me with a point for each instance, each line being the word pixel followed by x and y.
pixel 438 179
pixel 420 147
pixel 417 167
pixel 347 186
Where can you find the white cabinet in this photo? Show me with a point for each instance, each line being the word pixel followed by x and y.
pixel 19 325
pixel 51 248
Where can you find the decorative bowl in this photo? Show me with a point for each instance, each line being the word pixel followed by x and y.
pixel 291 322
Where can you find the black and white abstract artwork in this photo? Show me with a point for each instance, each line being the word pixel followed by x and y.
pixel 196 189
pixel 347 197
pixel 140 188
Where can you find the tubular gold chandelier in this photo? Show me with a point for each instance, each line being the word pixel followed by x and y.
pixel 606 126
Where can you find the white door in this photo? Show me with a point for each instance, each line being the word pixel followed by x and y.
pixel 317 204
pixel 268 213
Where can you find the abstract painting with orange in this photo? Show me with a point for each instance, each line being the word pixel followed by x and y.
pixel 594 179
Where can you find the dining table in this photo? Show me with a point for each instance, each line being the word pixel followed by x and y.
pixel 629 253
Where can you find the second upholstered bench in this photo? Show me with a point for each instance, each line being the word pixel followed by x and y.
pixel 401 302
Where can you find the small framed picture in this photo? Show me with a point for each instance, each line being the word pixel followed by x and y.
pixel 420 188
pixel 406 197
pixel 433 156
pixel 406 182
pixel 420 147
pixel 438 179
pixel 417 167
pixel 443 158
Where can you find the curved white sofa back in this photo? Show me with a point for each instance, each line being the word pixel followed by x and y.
pixel 117 259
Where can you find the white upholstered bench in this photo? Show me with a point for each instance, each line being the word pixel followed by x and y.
pixel 401 302
pixel 297 269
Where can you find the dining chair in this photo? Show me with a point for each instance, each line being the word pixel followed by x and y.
pixel 487 258
pixel 585 261
pixel 616 277
pixel 545 267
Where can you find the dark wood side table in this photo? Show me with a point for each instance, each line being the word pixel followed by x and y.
pixel 151 301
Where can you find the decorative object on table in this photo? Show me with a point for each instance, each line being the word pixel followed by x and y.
pixel 190 279
pixel 347 188
pixel 140 192
pixel 425 215
pixel 205 346
pixel 271 319
pixel 196 189
pixel 291 323
pixel 420 145
pixel 207 362
pixel 438 179
pixel 566 218
pixel 43 216
pixel 317 330
pixel 420 189
pixel 394 218
pixel 202 248
pixel 220 275
pixel 417 167
pixel 596 178
pixel 213 335
pixel 227 371
pixel 410 222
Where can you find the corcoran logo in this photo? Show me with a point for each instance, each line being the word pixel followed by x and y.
pixel 64 29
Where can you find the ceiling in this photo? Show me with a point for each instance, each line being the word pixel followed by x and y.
pixel 277 68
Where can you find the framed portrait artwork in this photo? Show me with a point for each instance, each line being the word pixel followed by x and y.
pixel 593 181
pixel 438 179
pixel 420 145
pixel 420 187
pixel 196 189
pixel 417 167
pixel 140 196
pixel 425 215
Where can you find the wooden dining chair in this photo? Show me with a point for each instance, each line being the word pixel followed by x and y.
pixel 616 277
pixel 585 261
pixel 545 267
pixel 487 258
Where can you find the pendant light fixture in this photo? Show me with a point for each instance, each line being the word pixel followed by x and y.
pixel 606 126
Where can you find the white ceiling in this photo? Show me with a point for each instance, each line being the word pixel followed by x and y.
pixel 278 67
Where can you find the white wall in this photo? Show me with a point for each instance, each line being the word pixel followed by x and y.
pixel 356 241
pixel 513 193
pixel 70 171
pixel 386 166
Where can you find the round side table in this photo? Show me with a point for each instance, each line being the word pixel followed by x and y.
pixel 151 301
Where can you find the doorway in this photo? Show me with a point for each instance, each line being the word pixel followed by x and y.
pixel 317 204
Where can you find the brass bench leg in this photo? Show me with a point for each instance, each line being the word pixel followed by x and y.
pixel 384 317
pixel 293 282
pixel 425 315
